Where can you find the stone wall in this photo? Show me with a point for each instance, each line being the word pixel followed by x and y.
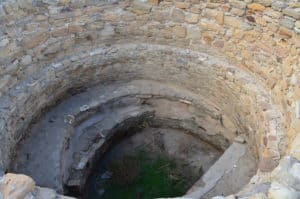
pixel 251 48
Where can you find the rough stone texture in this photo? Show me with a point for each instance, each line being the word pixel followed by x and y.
pixel 16 186
pixel 41 57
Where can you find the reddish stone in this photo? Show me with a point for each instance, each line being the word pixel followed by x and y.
pixel 218 44
pixel 267 164
pixel 265 141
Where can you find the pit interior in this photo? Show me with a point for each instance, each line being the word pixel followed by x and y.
pixel 182 110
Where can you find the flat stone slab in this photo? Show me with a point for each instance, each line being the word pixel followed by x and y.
pixel 226 163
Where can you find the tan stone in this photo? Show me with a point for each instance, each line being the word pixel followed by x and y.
pixel 16 186
pixel 41 17
pixel 287 70
pixel 207 37
pixel 233 21
pixel 60 32
pixel 75 29
pixel 256 7
pixel 179 31
pixel 220 18
pixel 182 5
pixel 196 9
pixel 154 2
pixel 36 40
pixel 192 18
pixel 285 33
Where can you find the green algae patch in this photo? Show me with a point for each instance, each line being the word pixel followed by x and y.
pixel 142 176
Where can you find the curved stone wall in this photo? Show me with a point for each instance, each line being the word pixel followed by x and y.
pixel 240 57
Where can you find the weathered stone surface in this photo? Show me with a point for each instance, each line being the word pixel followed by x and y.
pixel 295 13
pixel 267 164
pixel 192 18
pixel 256 7
pixel 287 22
pixel 264 2
pixel 279 191
pixel 140 8
pixel 182 5
pixel 178 16
pixel 233 21
pixel 36 40
pixel 179 31
pixel 260 37
pixel 16 186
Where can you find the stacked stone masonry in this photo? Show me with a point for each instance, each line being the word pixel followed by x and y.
pixel 253 46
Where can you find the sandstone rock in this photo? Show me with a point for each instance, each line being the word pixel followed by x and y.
pixel 74 29
pixel 256 7
pixel 285 33
pixel 192 18
pixel 179 31
pixel 235 22
pixel 16 186
pixel 154 2
pixel 196 9
pixel 182 5
pixel 237 12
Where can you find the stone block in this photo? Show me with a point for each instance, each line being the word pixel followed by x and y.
pixel 235 22
pixel 178 16
pixel 238 4
pixel 295 13
pixel 264 2
pixel 140 8
pixel 287 22
pixel 35 40
pixel 16 186
pixel 192 18
pixel 182 5
pixel 179 31
pixel 256 7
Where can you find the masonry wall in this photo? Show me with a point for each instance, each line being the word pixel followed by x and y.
pixel 40 40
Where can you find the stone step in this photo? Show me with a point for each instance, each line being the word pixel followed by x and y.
pixel 225 164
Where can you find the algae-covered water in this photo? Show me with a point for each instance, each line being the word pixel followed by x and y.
pixel 140 176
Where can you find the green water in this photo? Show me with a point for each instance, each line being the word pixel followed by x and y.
pixel 141 176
